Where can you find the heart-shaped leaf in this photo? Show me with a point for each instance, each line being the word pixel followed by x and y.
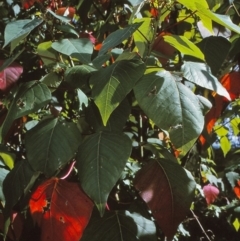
pixel 167 197
pixel 61 210
pixel 200 74
pixel 210 192
pixel 51 144
pixel 100 166
pixel 171 106
pixel 30 97
pixel 120 226
pixel 111 85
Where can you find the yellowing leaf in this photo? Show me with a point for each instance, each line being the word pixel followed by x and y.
pixel 184 45
pixel 225 145
pixel 8 159
pixel 220 130
pixel 236 224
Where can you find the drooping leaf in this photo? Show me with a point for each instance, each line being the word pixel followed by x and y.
pixel 182 117
pixel 225 145
pixel 47 53
pixel 184 45
pixel 100 166
pixel 117 37
pixel 116 121
pixel 81 48
pixel 120 226
pixel 30 97
pixel 9 75
pixel 167 197
pixel 15 183
pixel 61 210
pixel 51 144
pixel 210 192
pixel 210 47
pixel 110 85
pixel 61 18
pixel 19 29
pixel 200 74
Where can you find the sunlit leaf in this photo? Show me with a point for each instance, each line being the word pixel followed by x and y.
pixel 236 224
pixel 47 53
pixel 225 145
pixel 100 166
pixel 51 144
pixel 167 197
pixel 3 173
pixel 200 74
pixel 61 210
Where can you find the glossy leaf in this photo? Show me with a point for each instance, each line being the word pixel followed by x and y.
pixel 182 117
pixel 100 166
pixel 115 38
pixel 120 226
pixel 167 197
pixel 51 144
pixel 210 192
pixel 200 74
pixel 78 48
pixel 232 178
pixel 31 96
pixel 111 85
pixel 210 47
pixel 15 184
pixel 184 45
pixel 61 210
pixel 19 29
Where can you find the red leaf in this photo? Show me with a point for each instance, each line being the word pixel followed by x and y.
pixel 210 193
pixel 167 197
pixel 231 82
pixel 68 12
pixel 61 210
pixel 9 75
pixel 237 189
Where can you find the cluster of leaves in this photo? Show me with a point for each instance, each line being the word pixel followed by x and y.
pixel 110 116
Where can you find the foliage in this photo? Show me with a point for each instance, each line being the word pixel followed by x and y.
pixel 119 120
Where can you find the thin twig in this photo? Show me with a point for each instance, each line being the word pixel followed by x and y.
pixel 200 225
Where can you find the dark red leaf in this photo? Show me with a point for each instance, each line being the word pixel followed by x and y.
pixel 9 75
pixel 61 210
pixel 168 191
pixel 231 82
pixel 210 192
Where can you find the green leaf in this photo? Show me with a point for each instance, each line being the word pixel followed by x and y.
pixel 61 18
pixel 184 45
pixel 168 190
pixel 204 103
pixel 221 130
pixel 15 183
pixel 51 80
pixel 210 47
pixel 225 145
pixel 232 177
pixel 67 29
pixel 200 74
pixel 51 144
pixel 236 224
pixel 30 97
pixel 100 60
pixel 19 29
pixel 110 85
pixel 115 38
pixel 78 48
pixel 116 121
pixel 78 77
pixel 223 20
pixel 101 159
pixel 82 99
pixel 144 35
pixel 235 122
pixel 172 107
pixel 47 53
pixel 120 226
